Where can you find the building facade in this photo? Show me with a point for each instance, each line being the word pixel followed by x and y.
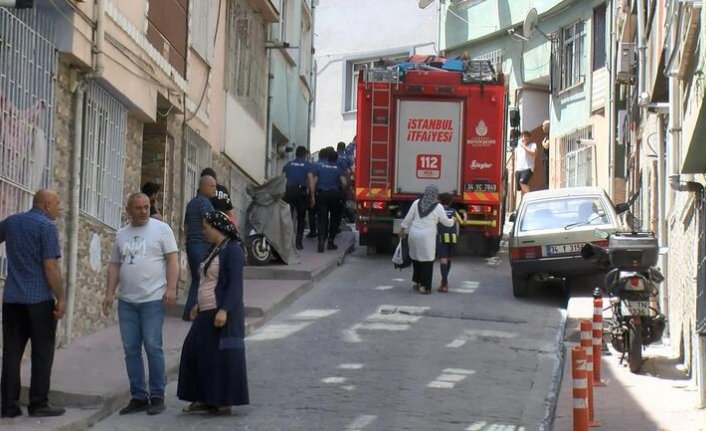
pixel 556 73
pixel 350 36
pixel 291 81
pixel 98 98
pixel 663 126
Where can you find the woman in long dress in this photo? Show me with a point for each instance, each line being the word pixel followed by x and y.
pixel 212 373
pixel 421 222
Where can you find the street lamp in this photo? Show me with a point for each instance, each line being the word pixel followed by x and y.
pixel 17 4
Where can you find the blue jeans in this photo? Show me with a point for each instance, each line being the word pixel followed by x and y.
pixel 141 324
pixel 196 252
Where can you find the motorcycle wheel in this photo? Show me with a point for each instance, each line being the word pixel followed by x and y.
pixel 635 349
pixel 259 250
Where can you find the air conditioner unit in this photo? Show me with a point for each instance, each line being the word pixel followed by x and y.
pixel 626 62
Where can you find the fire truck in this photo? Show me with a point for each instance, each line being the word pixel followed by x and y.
pixel 422 122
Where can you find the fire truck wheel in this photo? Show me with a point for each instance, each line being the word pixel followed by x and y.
pixel 491 246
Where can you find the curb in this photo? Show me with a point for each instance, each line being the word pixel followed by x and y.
pixel 106 405
pixel 552 399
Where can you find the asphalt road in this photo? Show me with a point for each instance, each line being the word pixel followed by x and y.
pixel 363 352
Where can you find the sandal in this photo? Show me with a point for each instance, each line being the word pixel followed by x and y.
pixel 415 287
pixel 219 410
pixel 424 290
pixel 196 407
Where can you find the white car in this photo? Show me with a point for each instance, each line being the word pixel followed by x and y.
pixel 550 228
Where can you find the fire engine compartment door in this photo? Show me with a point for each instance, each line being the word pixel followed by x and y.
pixel 428 145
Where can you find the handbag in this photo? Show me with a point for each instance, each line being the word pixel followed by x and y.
pixel 401 259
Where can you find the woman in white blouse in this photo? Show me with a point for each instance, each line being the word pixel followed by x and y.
pixel 421 222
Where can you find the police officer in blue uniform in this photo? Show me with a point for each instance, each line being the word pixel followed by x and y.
pixel 325 190
pixel 298 173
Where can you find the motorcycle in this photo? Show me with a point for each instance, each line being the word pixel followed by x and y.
pixel 632 284
pixel 269 228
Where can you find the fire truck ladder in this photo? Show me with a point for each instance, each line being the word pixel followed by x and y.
pixel 380 133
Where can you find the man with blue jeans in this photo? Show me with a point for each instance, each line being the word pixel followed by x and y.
pixel 196 245
pixel 33 301
pixel 145 264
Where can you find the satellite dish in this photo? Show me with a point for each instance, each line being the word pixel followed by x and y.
pixel 530 24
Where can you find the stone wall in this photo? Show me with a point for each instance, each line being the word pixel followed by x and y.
pixel 682 285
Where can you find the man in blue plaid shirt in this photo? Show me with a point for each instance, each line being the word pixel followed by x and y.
pixel 33 301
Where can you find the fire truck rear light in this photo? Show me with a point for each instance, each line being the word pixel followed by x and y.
pixel 480 209
pixel 635 281
pixel 520 253
pixel 375 205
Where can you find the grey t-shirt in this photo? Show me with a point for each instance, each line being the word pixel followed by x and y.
pixel 141 252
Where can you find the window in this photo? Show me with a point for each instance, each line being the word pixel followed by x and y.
pixel 305 47
pixel 352 72
pixel 198 156
pixel 577 160
pixel 573 46
pixel 568 46
pixel 599 37
pixel 26 108
pixel 102 156
pixel 246 63
pixel 203 16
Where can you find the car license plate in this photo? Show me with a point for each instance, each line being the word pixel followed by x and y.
pixel 635 308
pixel 552 250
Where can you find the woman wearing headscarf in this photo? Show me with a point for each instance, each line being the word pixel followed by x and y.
pixel 212 373
pixel 421 222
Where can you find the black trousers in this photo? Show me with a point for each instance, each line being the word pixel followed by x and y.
pixel 422 273
pixel 22 323
pixel 329 203
pixel 296 197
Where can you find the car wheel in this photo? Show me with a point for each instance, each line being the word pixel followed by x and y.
pixel 519 285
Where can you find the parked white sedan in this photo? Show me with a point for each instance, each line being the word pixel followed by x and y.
pixel 551 226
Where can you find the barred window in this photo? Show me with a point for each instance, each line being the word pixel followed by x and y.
pixel 26 106
pixel 203 18
pixel 246 64
pixel 198 156
pixel 577 160
pixel 102 156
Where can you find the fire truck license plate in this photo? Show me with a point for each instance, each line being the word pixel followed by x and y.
pixel 429 166
pixel 635 308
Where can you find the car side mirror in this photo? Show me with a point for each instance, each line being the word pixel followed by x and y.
pixel 513 217
pixel 621 208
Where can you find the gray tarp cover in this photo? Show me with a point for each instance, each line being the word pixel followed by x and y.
pixel 269 215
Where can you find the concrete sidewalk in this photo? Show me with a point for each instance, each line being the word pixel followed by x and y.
pixel 660 397
pixel 89 375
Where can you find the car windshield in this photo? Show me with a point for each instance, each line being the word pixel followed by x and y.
pixel 560 213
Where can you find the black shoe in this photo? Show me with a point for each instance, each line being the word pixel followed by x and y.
pixel 46 411
pixel 312 234
pixel 11 412
pixel 331 245
pixel 156 406
pixel 320 248
pixel 298 244
pixel 134 406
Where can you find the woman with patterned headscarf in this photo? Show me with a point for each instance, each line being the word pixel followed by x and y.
pixel 212 373
pixel 421 222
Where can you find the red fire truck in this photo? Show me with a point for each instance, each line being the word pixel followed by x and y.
pixel 438 122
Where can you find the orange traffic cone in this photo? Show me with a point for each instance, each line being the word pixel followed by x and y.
pixel 587 344
pixel 597 338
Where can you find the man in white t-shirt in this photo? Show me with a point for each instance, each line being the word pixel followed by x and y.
pixel 525 153
pixel 144 263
